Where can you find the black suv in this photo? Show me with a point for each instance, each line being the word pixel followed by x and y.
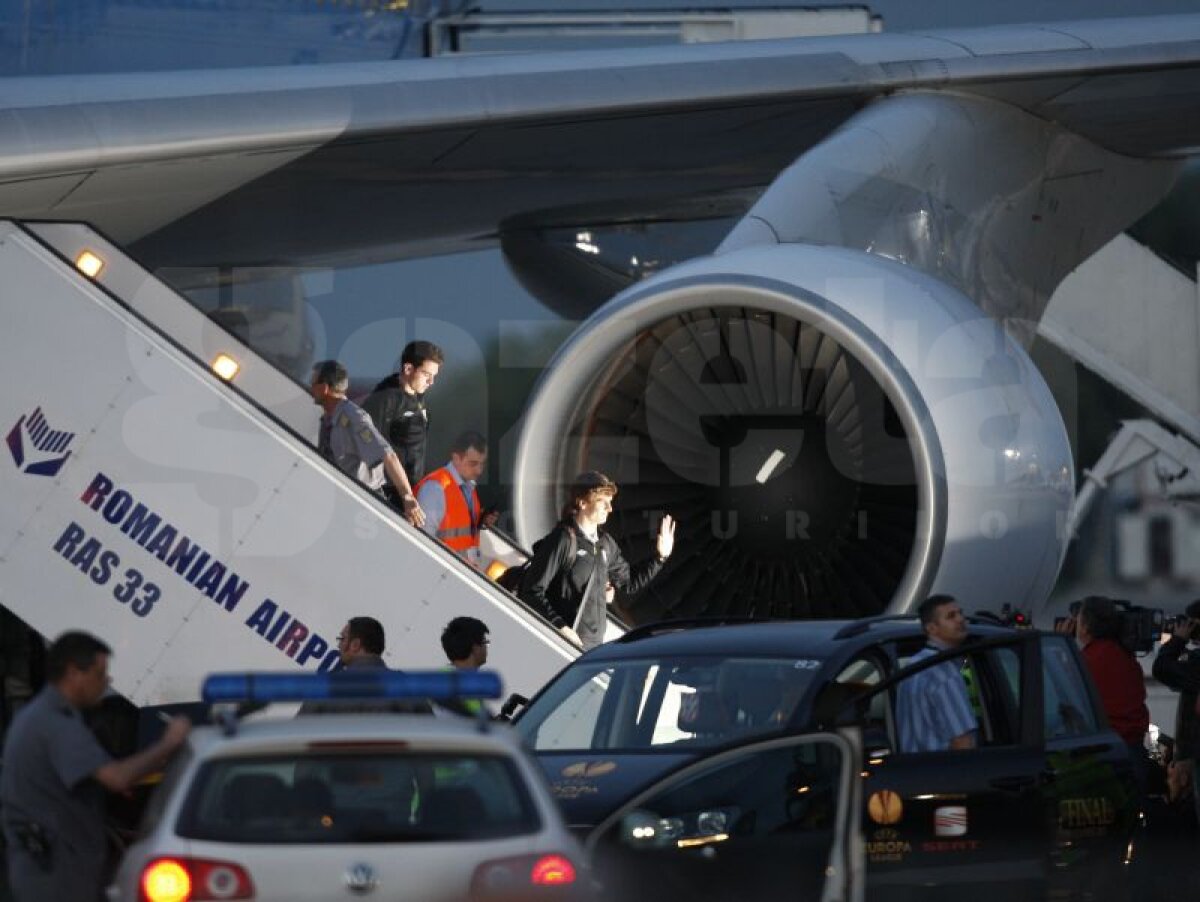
pixel 1044 807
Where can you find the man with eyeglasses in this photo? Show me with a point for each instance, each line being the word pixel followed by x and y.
pixel 397 405
pixel 465 642
pixel 360 645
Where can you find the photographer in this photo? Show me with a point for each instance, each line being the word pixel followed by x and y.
pixel 1116 673
pixel 1178 667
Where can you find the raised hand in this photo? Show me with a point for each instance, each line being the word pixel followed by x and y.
pixel 665 543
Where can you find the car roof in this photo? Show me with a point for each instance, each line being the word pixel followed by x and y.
pixel 783 638
pixel 422 730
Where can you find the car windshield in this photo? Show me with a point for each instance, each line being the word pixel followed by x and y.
pixel 360 797
pixel 665 704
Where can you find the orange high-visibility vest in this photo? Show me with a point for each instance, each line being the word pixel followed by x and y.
pixel 457 529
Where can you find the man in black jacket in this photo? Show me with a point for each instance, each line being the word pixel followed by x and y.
pixel 576 569
pixel 397 405
pixel 1178 667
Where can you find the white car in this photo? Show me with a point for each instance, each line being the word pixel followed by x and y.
pixel 380 806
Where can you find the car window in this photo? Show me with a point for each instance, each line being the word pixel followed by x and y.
pixel 999 671
pixel 694 701
pixel 741 826
pixel 1067 707
pixel 356 797
pixel 834 704
pixel 1010 668
pixel 565 716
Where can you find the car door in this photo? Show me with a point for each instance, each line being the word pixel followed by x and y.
pixel 1089 791
pixel 971 820
pixel 766 821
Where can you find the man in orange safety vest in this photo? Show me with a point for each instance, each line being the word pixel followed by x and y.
pixel 454 514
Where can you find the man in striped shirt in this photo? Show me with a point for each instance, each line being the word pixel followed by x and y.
pixel 933 709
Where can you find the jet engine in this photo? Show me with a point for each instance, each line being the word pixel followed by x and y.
pixel 837 435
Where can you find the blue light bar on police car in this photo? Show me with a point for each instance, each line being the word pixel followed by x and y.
pixel 350 684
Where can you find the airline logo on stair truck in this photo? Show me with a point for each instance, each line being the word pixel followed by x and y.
pixel 36 448
pixel 180 558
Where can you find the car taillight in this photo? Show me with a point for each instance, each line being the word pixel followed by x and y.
pixel 166 880
pixel 524 877
pixel 193 880
pixel 552 870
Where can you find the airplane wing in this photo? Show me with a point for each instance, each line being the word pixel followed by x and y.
pixel 353 163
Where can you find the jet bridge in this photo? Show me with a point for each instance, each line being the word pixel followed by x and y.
pixel 186 518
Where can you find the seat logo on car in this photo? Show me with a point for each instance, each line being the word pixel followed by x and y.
pixel 950 820
pixel 360 878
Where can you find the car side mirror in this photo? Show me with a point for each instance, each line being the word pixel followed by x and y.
pixel 511 705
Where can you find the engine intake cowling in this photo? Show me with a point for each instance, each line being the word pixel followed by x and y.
pixel 837 434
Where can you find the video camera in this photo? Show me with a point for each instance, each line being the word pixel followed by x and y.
pixel 1138 628
pixel 1008 616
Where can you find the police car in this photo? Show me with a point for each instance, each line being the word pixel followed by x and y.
pixel 636 735
pixel 376 805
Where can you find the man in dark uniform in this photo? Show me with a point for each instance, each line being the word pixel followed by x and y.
pixel 350 441
pixel 397 405
pixel 576 568
pixel 55 775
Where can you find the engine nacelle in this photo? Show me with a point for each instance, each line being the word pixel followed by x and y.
pixel 837 434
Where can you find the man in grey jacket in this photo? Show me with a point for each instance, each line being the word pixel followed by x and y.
pixel 56 774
